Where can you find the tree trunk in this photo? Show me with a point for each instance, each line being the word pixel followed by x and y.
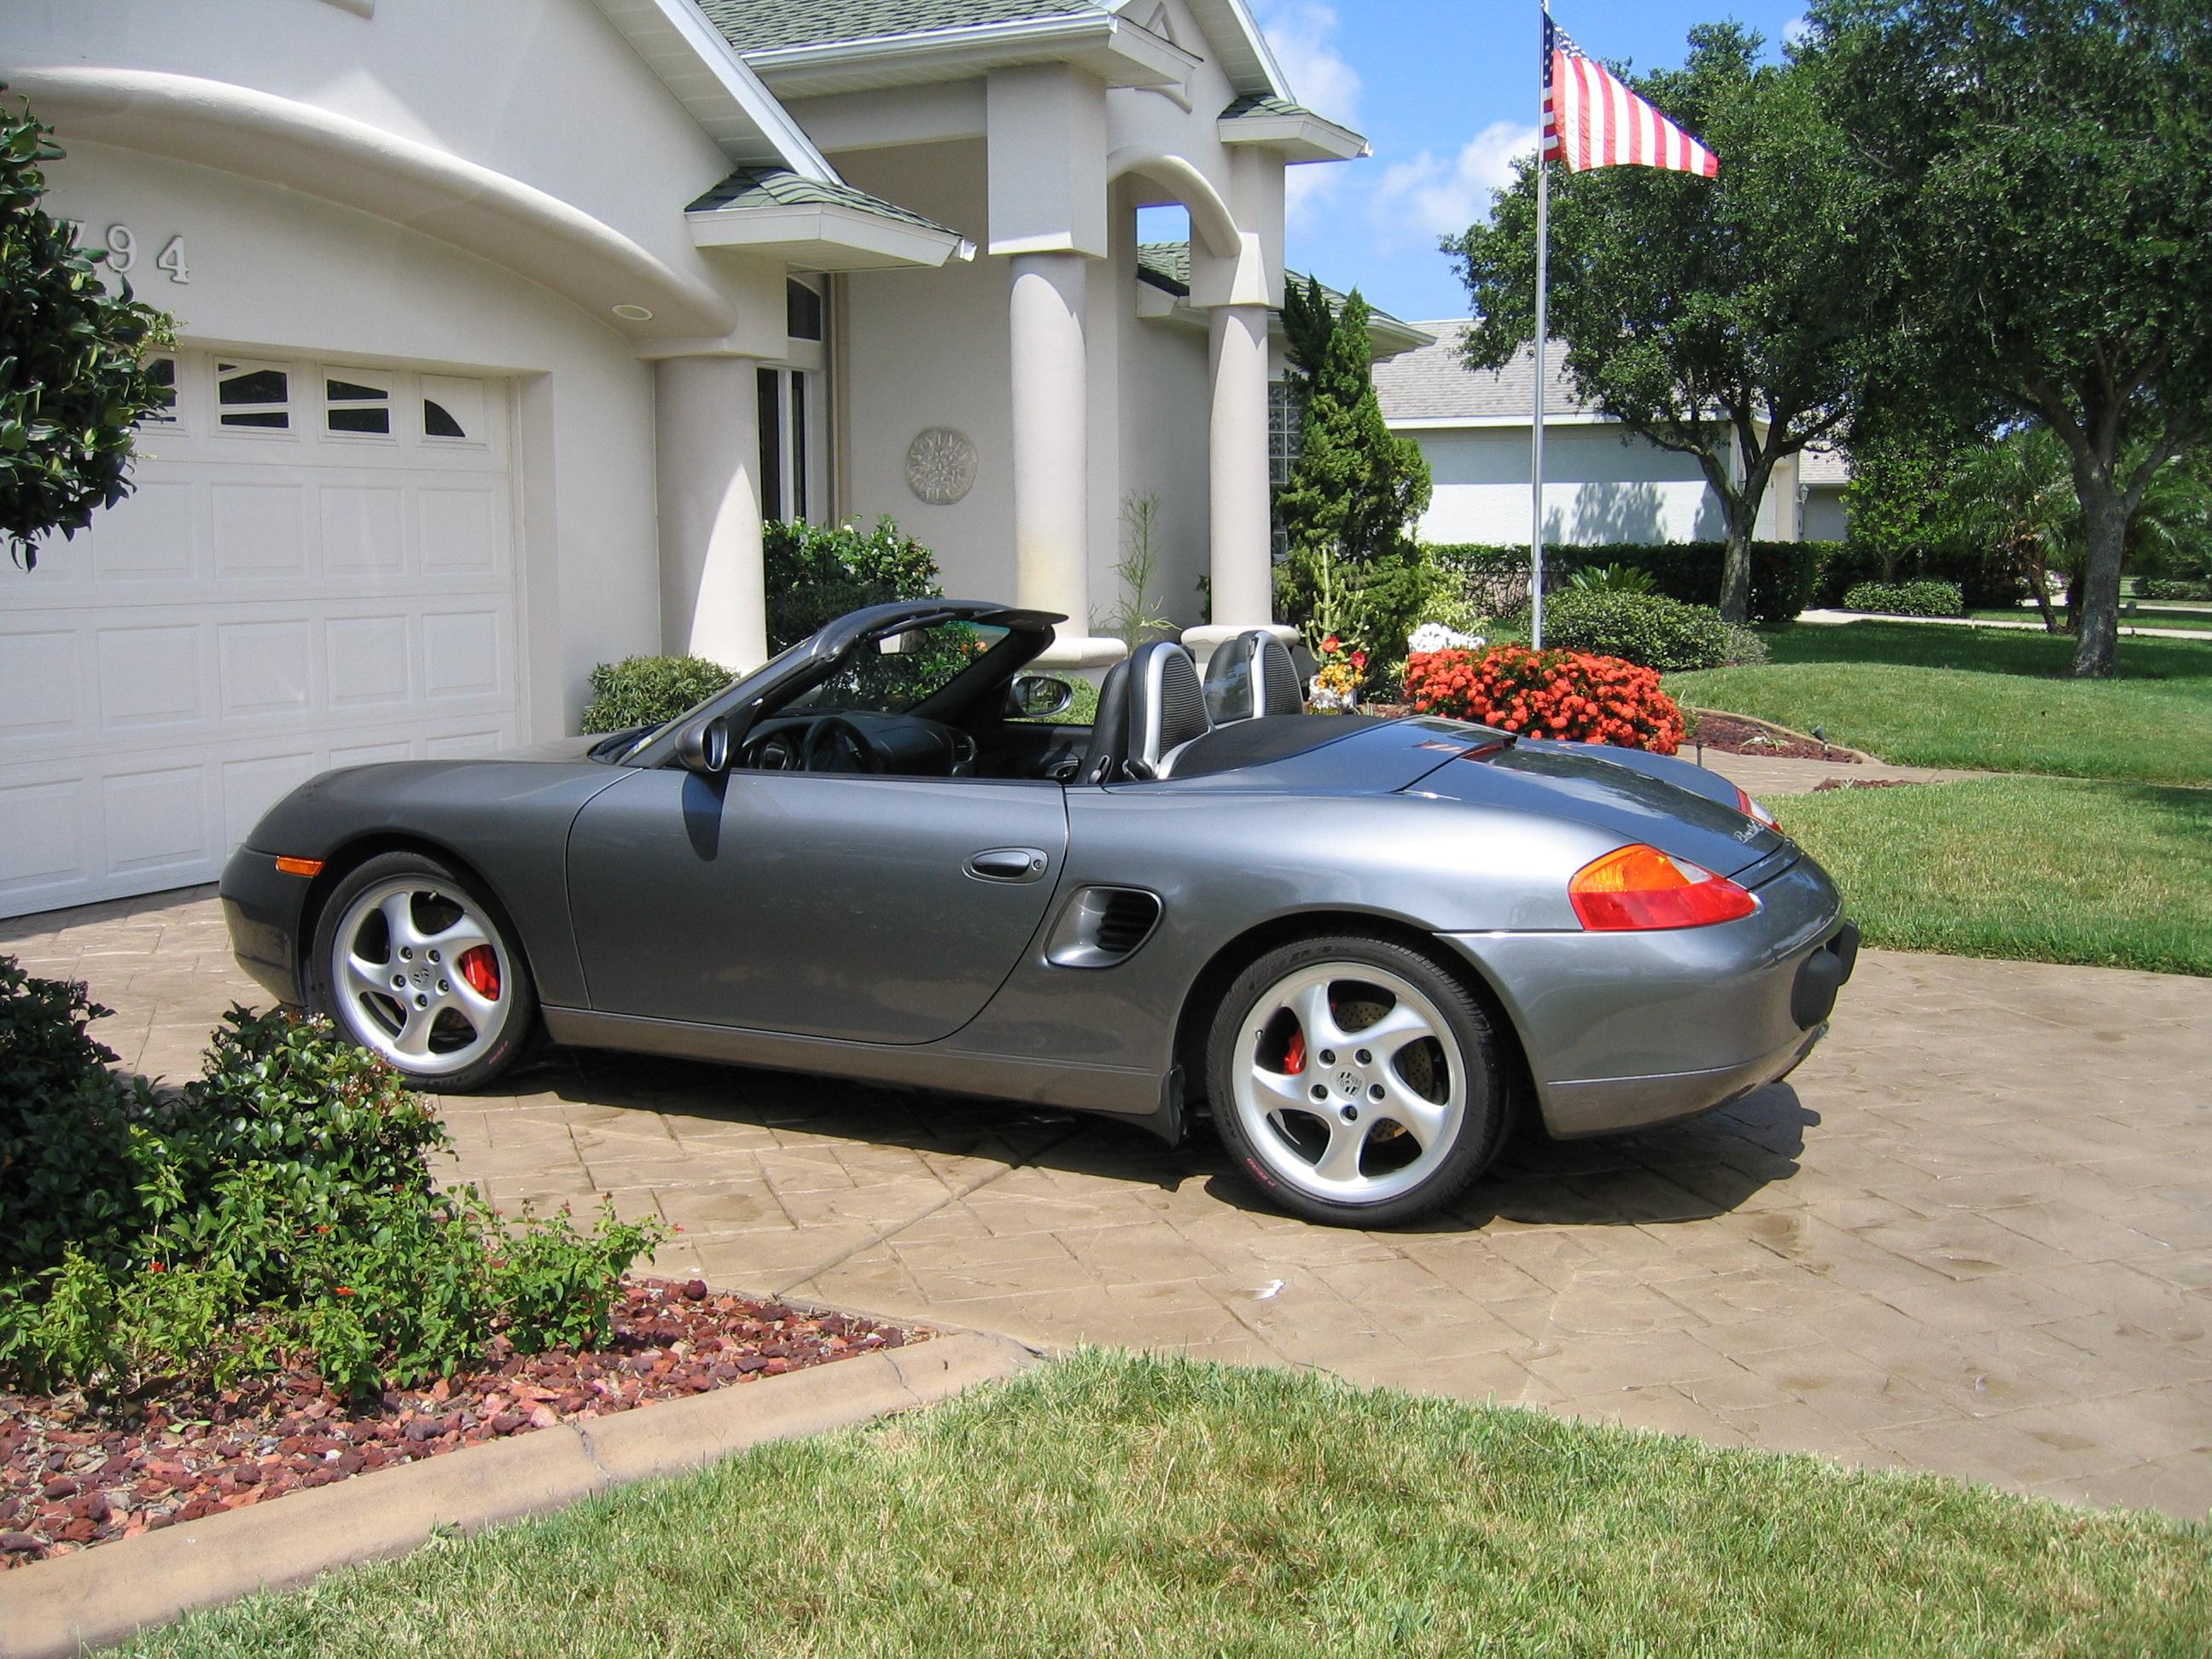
pixel 2105 525
pixel 1735 559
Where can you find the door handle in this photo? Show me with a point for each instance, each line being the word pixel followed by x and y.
pixel 1007 864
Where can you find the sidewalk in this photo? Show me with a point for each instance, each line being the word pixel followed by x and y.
pixel 1834 619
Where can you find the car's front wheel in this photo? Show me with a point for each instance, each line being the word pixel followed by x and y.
pixel 415 965
pixel 1355 1081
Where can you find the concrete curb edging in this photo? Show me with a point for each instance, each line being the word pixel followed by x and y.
pixel 54 1609
pixel 1837 751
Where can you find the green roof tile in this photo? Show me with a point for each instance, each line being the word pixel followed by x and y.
pixel 1166 265
pixel 755 187
pixel 766 25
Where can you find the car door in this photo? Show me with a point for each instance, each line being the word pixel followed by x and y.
pixel 884 910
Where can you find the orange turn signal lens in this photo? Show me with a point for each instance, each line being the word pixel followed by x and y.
pixel 300 866
pixel 1638 887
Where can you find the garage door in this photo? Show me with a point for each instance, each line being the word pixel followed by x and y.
pixel 317 570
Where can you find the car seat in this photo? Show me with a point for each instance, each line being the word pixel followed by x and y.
pixel 1249 676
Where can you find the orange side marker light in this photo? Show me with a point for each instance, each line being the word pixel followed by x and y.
pixel 300 866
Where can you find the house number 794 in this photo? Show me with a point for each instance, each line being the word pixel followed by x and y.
pixel 122 244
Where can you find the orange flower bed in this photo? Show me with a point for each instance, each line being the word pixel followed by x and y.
pixel 1569 694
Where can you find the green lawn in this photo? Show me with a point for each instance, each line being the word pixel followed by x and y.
pixel 1119 1504
pixel 1992 699
pixel 2031 869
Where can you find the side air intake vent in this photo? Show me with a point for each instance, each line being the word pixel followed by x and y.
pixel 1100 925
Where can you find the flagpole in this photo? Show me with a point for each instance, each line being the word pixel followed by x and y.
pixel 1536 432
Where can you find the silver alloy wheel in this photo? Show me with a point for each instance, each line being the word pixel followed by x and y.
pixel 401 980
pixel 1348 1096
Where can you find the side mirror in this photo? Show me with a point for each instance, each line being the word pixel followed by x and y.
pixel 704 748
pixel 1038 696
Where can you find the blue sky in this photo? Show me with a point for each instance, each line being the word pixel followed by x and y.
pixel 1446 94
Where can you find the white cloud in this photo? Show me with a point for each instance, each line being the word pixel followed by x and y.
pixel 1794 30
pixel 1303 33
pixel 1430 196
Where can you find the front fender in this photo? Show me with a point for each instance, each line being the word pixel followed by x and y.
pixel 505 821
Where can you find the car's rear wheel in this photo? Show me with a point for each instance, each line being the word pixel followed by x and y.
pixel 1355 1081
pixel 415 965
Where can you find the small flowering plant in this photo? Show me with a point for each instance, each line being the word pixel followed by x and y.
pixel 1335 688
pixel 1569 695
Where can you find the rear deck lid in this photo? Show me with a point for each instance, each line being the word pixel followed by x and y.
pixel 1578 782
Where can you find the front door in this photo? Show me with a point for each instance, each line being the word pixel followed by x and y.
pixel 832 904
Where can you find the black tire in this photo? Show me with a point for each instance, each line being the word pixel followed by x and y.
pixel 1249 1017
pixel 435 887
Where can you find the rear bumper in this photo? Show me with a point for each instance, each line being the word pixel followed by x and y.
pixel 263 907
pixel 1625 1031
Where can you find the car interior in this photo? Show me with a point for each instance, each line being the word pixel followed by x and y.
pixel 1157 718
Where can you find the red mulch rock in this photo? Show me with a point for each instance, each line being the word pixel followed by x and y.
pixel 1731 736
pixel 73 1475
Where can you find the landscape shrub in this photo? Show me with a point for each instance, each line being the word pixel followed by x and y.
pixel 66 1172
pixel 1744 648
pixel 815 574
pixel 1641 628
pixel 649 690
pixel 1915 598
pixel 1568 695
pixel 1784 575
pixel 1611 578
pixel 279 1206
pixel 2169 587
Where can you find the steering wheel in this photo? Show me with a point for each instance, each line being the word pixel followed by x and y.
pixel 834 744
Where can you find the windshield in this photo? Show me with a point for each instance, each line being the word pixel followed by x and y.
pixel 901 671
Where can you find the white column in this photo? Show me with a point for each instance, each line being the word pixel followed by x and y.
pixel 713 602
pixel 1243 576
pixel 1051 426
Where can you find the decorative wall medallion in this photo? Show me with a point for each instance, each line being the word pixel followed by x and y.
pixel 940 465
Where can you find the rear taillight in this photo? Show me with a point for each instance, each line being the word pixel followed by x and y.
pixel 1640 887
pixel 1752 809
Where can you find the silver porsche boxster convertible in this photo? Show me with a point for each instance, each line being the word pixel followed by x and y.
pixel 1362 943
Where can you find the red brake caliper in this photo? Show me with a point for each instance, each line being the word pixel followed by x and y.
pixel 481 968
pixel 1294 1054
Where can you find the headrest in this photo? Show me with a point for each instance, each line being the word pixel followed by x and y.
pixel 1249 676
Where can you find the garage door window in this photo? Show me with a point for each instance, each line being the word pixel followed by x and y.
pixel 162 372
pixel 253 395
pixel 356 408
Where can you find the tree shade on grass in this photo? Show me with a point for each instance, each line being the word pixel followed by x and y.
pixel 1989 699
pixel 1126 1504
pixel 2031 869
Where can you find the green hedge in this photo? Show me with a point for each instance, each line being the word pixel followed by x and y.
pixel 1985 581
pixel 1784 575
pixel 649 690
pixel 1920 599
pixel 1643 628
pixel 2166 588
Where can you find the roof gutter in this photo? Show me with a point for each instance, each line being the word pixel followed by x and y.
pixel 1138 57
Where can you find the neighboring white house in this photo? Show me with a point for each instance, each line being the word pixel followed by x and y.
pixel 1602 483
pixel 1823 475
pixel 503 324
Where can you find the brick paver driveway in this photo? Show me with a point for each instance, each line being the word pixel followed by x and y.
pixel 1973 1233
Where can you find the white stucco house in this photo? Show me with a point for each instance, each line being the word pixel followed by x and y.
pixel 1824 472
pixel 1602 483
pixel 502 326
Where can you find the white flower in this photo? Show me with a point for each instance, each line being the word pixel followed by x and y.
pixel 1435 637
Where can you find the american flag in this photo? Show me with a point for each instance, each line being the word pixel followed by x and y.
pixel 1593 120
